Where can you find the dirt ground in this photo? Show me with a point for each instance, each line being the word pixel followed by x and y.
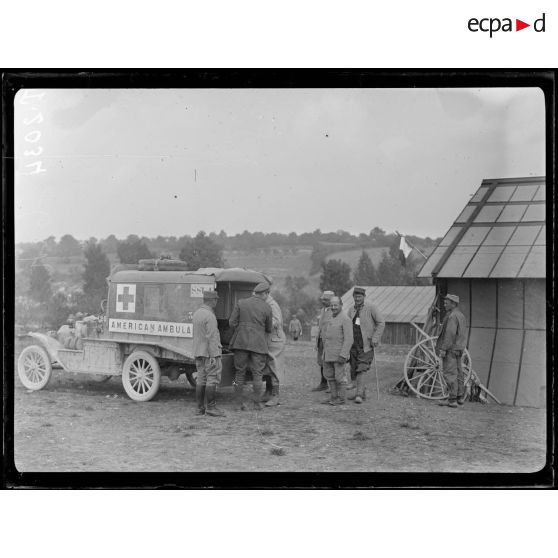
pixel 79 424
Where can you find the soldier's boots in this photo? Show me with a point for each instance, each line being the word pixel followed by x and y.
pixel 200 399
pixel 274 400
pixel 211 408
pixel 322 386
pixel 240 404
pixel 360 394
pixel 268 393
pixel 257 387
pixel 332 393
pixel 447 403
pixel 341 394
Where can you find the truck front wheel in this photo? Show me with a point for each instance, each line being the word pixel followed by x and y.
pixel 141 376
pixel 34 367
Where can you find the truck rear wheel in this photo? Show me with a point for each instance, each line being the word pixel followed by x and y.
pixel 141 376
pixel 34 367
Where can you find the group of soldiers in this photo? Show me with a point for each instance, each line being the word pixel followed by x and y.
pixel 258 344
pixel 346 337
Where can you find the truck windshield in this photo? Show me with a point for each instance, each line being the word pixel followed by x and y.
pixel 169 302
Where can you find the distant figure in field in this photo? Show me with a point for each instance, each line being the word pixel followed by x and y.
pixel 295 328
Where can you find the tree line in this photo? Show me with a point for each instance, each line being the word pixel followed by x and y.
pixel 323 243
pixel 41 301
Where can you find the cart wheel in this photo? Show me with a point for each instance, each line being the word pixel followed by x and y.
pixel 141 376
pixel 34 367
pixel 191 375
pixel 423 370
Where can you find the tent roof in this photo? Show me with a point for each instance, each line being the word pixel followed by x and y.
pixel 500 233
pixel 397 304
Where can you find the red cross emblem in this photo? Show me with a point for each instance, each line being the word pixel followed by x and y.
pixel 125 298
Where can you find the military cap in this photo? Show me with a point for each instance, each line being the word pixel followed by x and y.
pixel 359 290
pixel 453 298
pixel 210 295
pixel 326 295
pixel 261 287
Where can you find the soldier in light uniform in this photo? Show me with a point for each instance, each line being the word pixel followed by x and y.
pixel 323 319
pixel 207 352
pixel 337 338
pixel 450 346
pixel 274 371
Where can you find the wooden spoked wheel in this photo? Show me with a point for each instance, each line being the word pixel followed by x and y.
pixel 423 370
pixel 34 367
pixel 141 376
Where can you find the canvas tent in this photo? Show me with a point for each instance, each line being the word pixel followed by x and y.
pixel 493 257
pixel 399 306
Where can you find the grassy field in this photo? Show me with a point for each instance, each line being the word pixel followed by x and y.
pixel 277 265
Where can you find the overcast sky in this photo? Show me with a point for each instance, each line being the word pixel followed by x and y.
pixel 173 162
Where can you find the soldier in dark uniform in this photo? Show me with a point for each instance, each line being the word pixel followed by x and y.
pixel 368 326
pixel 251 320
pixel 450 346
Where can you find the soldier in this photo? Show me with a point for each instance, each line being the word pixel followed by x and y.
pixel 368 326
pixel 251 320
pixel 207 352
pixel 295 328
pixel 337 339
pixel 450 346
pixel 323 319
pixel 274 372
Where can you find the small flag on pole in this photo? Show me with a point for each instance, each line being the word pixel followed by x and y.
pixel 405 250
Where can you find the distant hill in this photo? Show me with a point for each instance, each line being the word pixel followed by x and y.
pixel 352 256
pixel 277 263
pixel 278 255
